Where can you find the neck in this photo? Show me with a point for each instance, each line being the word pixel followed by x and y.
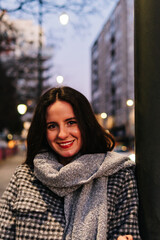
pixel 66 160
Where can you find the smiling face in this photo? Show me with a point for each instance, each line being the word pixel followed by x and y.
pixel 63 133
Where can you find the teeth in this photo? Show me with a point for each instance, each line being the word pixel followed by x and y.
pixel 65 144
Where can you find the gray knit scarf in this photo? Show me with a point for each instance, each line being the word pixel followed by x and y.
pixel 83 184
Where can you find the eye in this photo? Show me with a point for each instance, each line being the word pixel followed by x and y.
pixel 72 122
pixel 51 126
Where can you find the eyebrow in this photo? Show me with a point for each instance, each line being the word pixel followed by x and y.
pixel 66 120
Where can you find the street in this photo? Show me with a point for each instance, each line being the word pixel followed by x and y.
pixel 7 167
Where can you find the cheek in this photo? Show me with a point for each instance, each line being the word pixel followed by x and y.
pixel 50 136
pixel 50 139
pixel 76 132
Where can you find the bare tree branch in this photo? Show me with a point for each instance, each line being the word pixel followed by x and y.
pixel 42 9
pixel 77 7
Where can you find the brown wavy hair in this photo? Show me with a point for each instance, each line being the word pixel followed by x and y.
pixel 95 139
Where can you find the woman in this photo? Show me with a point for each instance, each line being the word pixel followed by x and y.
pixel 71 185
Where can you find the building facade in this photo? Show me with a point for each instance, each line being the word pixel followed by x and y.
pixel 112 73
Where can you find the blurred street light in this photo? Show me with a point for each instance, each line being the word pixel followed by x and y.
pixel 64 18
pixel 26 125
pixel 60 79
pixel 129 102
pixel 11 143
pixel 9 136
pixel 22 108
pixel 103 115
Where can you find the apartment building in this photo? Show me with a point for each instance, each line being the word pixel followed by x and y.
pixel 112 73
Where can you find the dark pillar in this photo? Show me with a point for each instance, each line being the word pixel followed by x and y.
pixel 147 100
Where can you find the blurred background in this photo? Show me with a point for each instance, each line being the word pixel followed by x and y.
pixel 88 45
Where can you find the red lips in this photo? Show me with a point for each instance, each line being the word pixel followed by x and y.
pixel 66 144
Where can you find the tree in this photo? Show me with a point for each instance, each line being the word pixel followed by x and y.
pixel 20 56
pixel 41 9
pixel 7 34
pixel 9 117
pixel 77 7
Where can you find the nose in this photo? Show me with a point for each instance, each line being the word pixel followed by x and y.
pixel 63 132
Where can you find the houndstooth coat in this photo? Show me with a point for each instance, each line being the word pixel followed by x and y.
pixel 29 210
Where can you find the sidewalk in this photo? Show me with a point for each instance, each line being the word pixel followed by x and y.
pixel 7 167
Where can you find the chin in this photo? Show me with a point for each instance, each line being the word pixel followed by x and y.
pixel 68 155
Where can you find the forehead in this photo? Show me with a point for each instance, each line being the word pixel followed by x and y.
pixel 59 109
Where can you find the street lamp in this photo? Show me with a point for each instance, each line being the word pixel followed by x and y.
pixel 129 102
pixel 103 119
pixel 22 108
pixel 103 115
pixel 60 79
pixel 64 18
